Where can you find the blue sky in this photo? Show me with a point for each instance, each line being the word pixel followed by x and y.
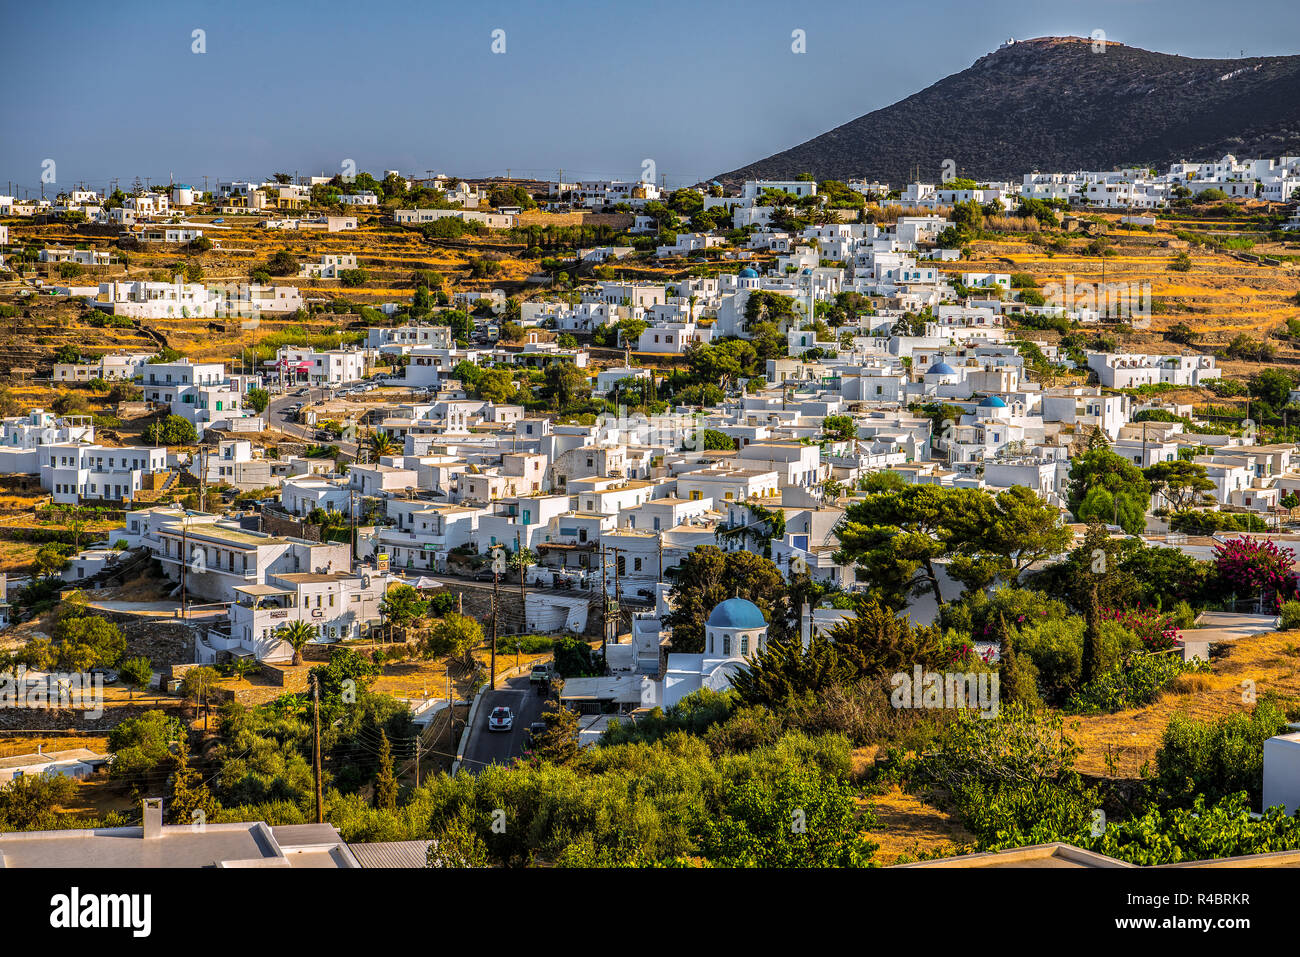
pixel 593 87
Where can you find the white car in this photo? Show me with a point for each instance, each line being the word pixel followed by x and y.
pixel 501 719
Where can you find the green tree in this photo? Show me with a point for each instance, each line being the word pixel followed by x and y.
pixel 1018 531
pixel 141 744
pixel 896 538
pixel 1183 484
pixel 51 560
pixel 190 800
pixel 86 642
pixel 1016 684
pixel 715 440
pixel 31 802
pixel 1272 386
pixel 402 606
pixel 257 399
pixel 173 430
pixel 802 817
pixel 841 427
pixel 1109 488
pixel 136 673
pixel 385 780
pixel 380 444
pixel 557 744
pixel 452 636
pixel 564 384
pixel 196 687
pixel 521 560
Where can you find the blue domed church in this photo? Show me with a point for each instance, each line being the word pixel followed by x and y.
pixel 735 632
pixel 735 628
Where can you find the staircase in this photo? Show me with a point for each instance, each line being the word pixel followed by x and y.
pixel 130 563
pixel 146 495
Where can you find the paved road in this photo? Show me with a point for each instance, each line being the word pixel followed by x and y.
pixel 486 747
pixel 278 418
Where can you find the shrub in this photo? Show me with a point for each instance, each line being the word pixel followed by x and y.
pixel 1290 615
pixel 1130 684
pixel 173 430
pixel 1055 648
pixel 1216 758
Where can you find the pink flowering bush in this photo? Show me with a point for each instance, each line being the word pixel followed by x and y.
pixel 1156 630
pixel 1253 567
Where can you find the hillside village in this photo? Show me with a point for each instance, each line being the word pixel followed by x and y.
pixel 694 474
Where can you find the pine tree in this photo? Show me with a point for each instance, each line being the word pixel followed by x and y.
pixel 385 780
pixel 188 792
pixel 559 742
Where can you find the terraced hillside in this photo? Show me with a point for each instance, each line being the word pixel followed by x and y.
pixel 1219 295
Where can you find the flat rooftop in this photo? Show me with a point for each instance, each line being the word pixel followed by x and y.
pixel 250 844
pixel 43 757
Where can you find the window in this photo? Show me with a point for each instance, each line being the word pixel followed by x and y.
pixel 726 645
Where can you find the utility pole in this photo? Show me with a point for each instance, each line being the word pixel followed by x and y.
pixel 352 510
pixel 661 555
pixel 604 598
pixel 523 595
pixel 315 761
pixel 184 561
pixel 496 606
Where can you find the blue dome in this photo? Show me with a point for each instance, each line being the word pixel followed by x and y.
pixel 748 273
pixel 941 368
pixel 807 270
pixel 992 402
pixel 737 613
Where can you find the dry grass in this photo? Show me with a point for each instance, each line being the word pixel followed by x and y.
pixel 421 678
pixel 1117 745
pixel 17 557
pixel 1219 297
pixel 910 828
pixel 15 744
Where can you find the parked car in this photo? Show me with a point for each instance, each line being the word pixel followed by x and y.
pixel 541 674
pixel 110 676
pixel 501 719
pixel 532 731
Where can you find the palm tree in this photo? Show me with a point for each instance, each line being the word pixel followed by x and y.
pixel 240 668
pixel 380 443
pixel 297 634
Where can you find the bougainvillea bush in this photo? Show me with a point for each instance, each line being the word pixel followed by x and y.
pixel 1253 567
pixel 1156 630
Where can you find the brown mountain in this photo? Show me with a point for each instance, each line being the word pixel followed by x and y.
pixel 1055 104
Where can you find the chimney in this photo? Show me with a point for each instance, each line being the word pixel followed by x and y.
pixel 153 818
